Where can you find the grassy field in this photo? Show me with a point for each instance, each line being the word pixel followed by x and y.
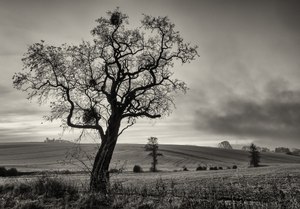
pixel 269 187
pixel 49 156
pixel 275 185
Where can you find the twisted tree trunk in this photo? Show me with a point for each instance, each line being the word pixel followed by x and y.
pixel 99 181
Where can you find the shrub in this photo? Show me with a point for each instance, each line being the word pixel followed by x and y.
pixel 66 172
pixel 53 187
pixel 30 205
pixel 234 167
pixel 3 171
pixel 114 170
pixel 201 168
pixel 220 168
pixel 94 200
pixel 185 168
pixel 148 205
pixel 137 169
pixel 213 168
pixel 8 202
pixel 12 172
pixel 22 189
pixel 6 188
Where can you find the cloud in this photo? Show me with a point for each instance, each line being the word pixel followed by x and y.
pixel 276 117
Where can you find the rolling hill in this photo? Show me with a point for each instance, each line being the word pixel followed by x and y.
pixel 50 156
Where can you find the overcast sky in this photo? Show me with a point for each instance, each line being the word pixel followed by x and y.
pixel 244 87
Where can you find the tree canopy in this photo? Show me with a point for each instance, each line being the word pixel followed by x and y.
pixel 123 72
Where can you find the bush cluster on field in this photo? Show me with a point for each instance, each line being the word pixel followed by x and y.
pixel 9 172
pixel 139 169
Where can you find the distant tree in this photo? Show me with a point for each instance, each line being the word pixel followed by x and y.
pixel 254 156
pixel 296 151
pixel 152 146
pixel 246 148
pixel 225 145
pixel 105 85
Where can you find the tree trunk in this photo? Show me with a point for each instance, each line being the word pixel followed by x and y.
pixel 99 181
pixel 154 159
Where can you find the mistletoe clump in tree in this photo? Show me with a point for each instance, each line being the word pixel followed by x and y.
pixel 105 85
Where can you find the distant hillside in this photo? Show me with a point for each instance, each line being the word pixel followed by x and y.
pixel 48 156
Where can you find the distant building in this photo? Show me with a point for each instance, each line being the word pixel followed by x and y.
pixel 265 149
pixel 282 150
pixel 296 151
pixel 47 140
pixel 260 149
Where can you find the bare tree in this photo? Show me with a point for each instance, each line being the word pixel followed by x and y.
pixel 105 85
pixel 152 146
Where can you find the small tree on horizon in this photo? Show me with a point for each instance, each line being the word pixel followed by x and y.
pixel 225 145
pixel 105 85
pixel 254 156
pixel 152 146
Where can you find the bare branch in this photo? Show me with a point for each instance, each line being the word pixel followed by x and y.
pixel 126 127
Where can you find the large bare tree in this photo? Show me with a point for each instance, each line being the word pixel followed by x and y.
pixel 106 84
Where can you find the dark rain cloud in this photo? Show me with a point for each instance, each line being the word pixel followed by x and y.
pixel 275 117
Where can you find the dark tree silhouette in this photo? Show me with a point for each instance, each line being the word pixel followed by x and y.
pixel 105 85
pixel 225 145
pixel 152 146
pixel 254 156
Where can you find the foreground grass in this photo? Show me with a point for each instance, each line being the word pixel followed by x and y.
pixel 272 188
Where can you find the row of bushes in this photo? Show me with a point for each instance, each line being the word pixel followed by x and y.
pixel 213 168
pixel 139 169
pixel 136 169
pixel 9 172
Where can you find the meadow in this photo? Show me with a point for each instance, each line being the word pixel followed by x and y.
pixel 57 156
pixel 274 185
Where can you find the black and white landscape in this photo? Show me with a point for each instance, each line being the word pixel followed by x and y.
pixel 150 104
